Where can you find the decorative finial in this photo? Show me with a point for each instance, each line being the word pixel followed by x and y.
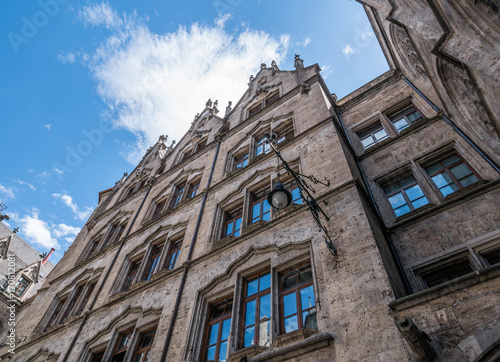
pixel 209 103
pixel 228 108
pixel 216 103
pixel 299 63
pixel 263 66
pixel 15 231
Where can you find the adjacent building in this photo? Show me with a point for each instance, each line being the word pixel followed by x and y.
pixel 185 260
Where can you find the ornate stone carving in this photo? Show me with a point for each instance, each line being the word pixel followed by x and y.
pixel 407 53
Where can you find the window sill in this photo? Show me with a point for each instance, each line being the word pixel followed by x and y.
pixel 252 227
pixel 293 337
pixel 306 341
pixel 248 352
pixel 223 242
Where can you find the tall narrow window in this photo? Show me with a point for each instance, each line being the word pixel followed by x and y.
pixel 257 311
pixel 201 145
pixel 97 356
pixel 152 262
pixel 57 312
pixel 119 232
pixel 193 189
pixel 144 346
pixel 260 209
pixel 218 329
pixel 450 173
pixel 72 302
pixel 261 146
pixel 177 197
pixel 240 161
pixel 271 99
pixel 121 347
pixel 404 118
pixel 21 286
pixel 286 134
pixel 173 254
pixel 297 302
pixel 129 279
pixel 110 234
pixel 232 222
pixel 94 244
pixel 158 209
pixel 372 135
pixel 85 299
pixel 254 110
pixel 405 195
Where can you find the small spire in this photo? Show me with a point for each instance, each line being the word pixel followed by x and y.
pixel 209 103
pixel 299 63
pixel 228 108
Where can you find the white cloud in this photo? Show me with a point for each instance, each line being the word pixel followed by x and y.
pixel 58 171
pixel 100 14
pixel 66 58
pixel 221 20
pixel 48 126
pixel 305 42
pixel 155 83
pixel 326 71
pixel 7 192
pixel 46 234
pixel 79 213
pixel 348 49
pixel 37 231
pixel 24 183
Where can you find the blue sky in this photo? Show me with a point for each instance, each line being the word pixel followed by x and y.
pixel 86 87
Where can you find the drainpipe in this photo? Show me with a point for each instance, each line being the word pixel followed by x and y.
pixel 91 306
pixel 457 129
pixel 186 264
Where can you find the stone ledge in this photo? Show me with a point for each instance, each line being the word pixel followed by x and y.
pixel 248 352
pixel 314 342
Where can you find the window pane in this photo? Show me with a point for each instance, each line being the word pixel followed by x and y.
pixel 402 210
pixel 414 192
pixel 460 171
pixel 449 190
pixel 291 324
pixel 265 307
pixel 420 202
pixel 380 135
pixel 223 351
pixel 442 180
pixel 433 168
pixel 290 282
pixel 250 313
pixel 306 275
pixel 213 332
pixel 229 229
pixel 469 180
pixel 226 328
pixel 309 319
pixel 265 206
pixel 307 297
pixel 407 182
pixel 255 212
pixel 253 286
pixel 367 142
pixel 264 334
pixel 449 160
pixel 401 124
pixel 265 281
pixel 290 304
pixel 210 356
pixel 249 337
pixel 397 200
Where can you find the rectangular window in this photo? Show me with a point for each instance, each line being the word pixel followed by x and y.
pixel 260 209
pixel 57 311
pixel 201 145
pixel 293 188
pixel 218 329
pixel 129 279
pixel 286 134
pixel 85 299
pixel 240 161
pixel 271 99
pixel 297 302
pixel 21 286
pixel 119 233
pixel 254 110
pixel 158 209
pixel 144 346
pixel 446 272
pixel 450 173
pixel 261 146
pixel 372 135
pixel 94 245
pixel 121 347
pixel 179 191
pixel 72 302
pixel 404 118
pixel 492 256
pixel 405 195
pixel 152 262
pixel 173 254
pixel 256 311
pixel 110 234
pixel 232 222
pixel 98 356
pixel 193 189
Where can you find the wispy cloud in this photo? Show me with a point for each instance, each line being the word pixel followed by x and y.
pixel 348 49
pixel 24 183
pixel 69 58
pixel 326 71
pixel 7 192
pixel 48 126
pixel 155 83
pixel 304 43
pixel 80 213
pixel 100 14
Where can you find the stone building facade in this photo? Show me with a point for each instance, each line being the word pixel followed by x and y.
pixel 184 260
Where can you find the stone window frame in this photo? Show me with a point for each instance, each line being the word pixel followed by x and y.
pixel 234 290
pixel 402 111
pixel 191 149
pixel 147 261
pixel 139 339
pixel 27 286
pixel 125 270
pixel 256 107
pixel 220 321
pixel 471 249
pixel 54 312
pixel 220 215
pixel 168 250
pixel 87 293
